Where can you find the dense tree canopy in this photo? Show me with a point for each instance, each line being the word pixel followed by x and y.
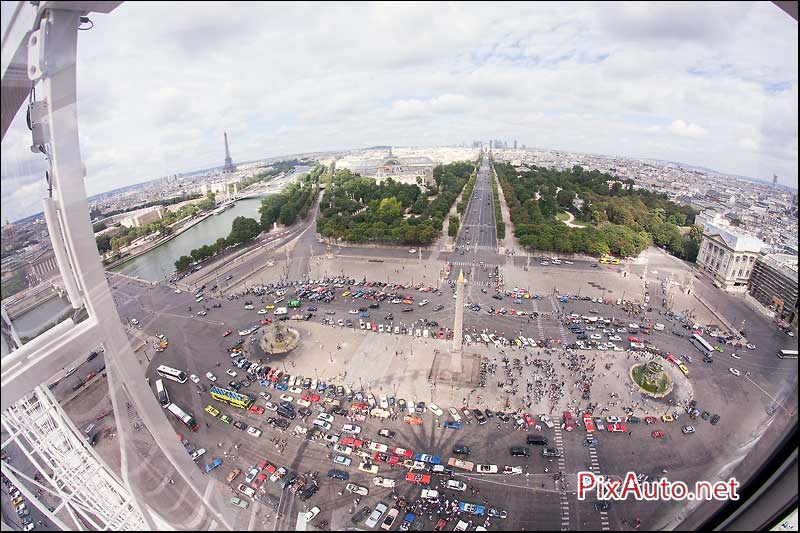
pixel 359 209
pixel 622 221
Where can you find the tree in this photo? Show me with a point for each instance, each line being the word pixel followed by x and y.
pixel 452 229
pixel 243 229
pixel 183 263
pixel 103 243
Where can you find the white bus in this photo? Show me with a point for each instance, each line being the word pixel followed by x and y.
pixel 171 373
pixel 788 354
pixel 161 393
pixel 187 419
pixel 701 344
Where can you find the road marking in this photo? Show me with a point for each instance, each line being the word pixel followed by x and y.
pixel 479 477
pixel 775 400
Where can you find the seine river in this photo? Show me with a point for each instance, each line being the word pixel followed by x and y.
pixel 157 263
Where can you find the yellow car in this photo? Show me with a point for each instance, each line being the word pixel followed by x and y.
pixel 527 296
pixel 270 307
pixel 210 410
pixel 667 418
pixel 345 294
pixel 684 369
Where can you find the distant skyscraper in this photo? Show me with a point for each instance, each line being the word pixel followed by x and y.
pixel 229 166
pixel 774 180
pixel 515 144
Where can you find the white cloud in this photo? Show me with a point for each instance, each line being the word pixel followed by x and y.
pixel 157 87
pixel 686 129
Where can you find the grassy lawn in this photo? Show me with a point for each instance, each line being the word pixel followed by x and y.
pixel 563 217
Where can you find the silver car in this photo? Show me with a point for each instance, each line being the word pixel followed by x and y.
pixel 376 515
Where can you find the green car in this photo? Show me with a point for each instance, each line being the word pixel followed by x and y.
pixel 718 348
pixel 706 415
pixel 226 419
pixel 240 503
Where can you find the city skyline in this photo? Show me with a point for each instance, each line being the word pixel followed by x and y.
pixel 619 82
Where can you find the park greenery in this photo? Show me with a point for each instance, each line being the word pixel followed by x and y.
pixel 275 169
pixel 359 209
pixel 115 240
pixel 452 226
pixel 294 201
pixel 97 213
pixel 498 213
pixel 622 220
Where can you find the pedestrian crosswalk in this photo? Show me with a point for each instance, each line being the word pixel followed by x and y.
pixel 472 264
pixel 594 466
pixel 564 499
pixel 556 311
pixel 538 320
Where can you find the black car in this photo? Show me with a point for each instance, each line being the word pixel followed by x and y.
pixel 241 425
pixel 341 411
pixel 91 356
pixel 361 515
pixel 715 420
pixel 520 451
pixel 489 414
pixel 536 440
pixel 479 416
pixel 504 417
pixel 408 309
pixel 497 296
pixel 285 413
pixel 460 449
pixel 602 506
pixel 308 491
pixel 304 412
pixel 338 474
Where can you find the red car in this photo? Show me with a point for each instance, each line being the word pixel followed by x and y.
pixel 650 420
pixel 258 480
pixel 528 419
pixel 422 479
pixel 634 339
pixel 617 428
pixel 402 452
pixel 267 467
pixel 385 458
pixel 310 396
pixel 657 434
pixel 266 321
pixel 257 409
pixel 91 375
pixel 353 442
pixel 227 332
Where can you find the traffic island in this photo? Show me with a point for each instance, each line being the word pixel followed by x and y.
pixel 278 339
pixel 652 379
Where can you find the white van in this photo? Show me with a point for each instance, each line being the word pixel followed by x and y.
pixel 659 327
pixel 281 311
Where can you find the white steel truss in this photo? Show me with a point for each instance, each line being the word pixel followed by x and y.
pixel 39 47
pixel 89 490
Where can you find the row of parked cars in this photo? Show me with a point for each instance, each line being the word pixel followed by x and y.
pixel 18 502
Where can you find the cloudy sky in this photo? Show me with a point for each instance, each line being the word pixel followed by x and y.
pixel 705 84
